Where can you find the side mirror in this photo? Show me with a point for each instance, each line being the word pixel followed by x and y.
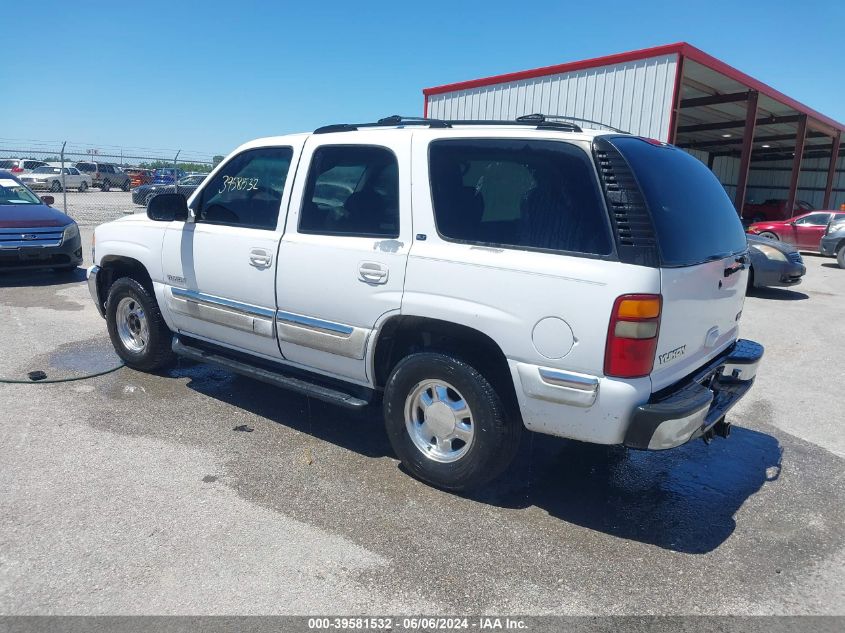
pixel 48 200
pixel 167 207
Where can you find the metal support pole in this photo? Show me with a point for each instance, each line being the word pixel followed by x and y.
pixel 747 148
pixel 64 180
pixel 800 137
pixel 831 170
pixel 676 101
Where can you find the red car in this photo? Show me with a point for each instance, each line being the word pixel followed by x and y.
pixel 803 231
pixel 773 210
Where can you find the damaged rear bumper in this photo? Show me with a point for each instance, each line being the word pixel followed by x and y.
pixel 691 407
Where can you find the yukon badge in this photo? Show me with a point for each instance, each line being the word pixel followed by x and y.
pixel 671 354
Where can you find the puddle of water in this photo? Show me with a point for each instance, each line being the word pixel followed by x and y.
pixel 83 357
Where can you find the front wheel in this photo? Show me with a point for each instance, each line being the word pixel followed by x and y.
pixel 83 187
pixel 56 186
pixel 136 328
pixel 769 235
pixel 105 186
pixel 446 422
pixel 125 186
pixel 840 257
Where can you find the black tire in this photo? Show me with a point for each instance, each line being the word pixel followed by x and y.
pixel 496 435
pixel 125 186
pixel 105 186
pixel 56 186
pixel 83 187
pixel 840 256
pixel 770 235
pixel 157 352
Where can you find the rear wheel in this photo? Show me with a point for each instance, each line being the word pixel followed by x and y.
pixel 56 186
pixel 446 422
pixel 769 235
pixel 125 186
pixel 105 186
pixel 136 328
pixel 840 257
pixel 83 187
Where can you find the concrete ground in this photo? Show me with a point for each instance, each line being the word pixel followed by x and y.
pixel 198 492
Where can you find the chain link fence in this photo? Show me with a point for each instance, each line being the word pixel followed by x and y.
pixel 100 183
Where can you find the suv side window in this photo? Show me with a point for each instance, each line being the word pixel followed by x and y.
pixel 248 190
pixel 518 193
pixel 814 219
pixel 352 190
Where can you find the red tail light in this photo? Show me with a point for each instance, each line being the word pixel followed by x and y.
pixel 16 170
pixel 632 336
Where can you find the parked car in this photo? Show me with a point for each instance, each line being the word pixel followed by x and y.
pixel 583 284
pixel 20 165
pixel 32 233
pixel 833 242
pixel 774 209
pixel 803 231
pixel 52 178
pixel 167 175
pixel 186 186
pixel 139 176
pixel 105 175
pixel 773 263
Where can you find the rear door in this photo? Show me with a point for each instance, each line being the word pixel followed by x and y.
pixel 702 247
pixel 343 255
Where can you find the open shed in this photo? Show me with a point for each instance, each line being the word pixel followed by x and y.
pixel 760 143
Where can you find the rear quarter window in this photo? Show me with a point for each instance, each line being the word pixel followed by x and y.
pixel 526 194
pixel 693 217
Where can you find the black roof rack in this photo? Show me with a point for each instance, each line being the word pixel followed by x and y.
pixel 539 121
pixel 563 117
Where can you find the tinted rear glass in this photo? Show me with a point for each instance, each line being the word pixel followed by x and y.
pixel 525 194
pixel 694 219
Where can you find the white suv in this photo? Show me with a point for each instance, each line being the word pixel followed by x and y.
pixel 479 277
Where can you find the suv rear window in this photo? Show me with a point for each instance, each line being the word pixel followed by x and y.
pixel 518 193
pixel 693 217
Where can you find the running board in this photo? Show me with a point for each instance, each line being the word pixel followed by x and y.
pixel 298 385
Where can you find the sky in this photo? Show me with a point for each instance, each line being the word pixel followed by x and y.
pixel 207 76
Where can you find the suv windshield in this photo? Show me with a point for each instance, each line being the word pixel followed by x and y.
pixel 694 219
pixel 12 192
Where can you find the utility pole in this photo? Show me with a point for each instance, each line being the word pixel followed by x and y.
pixel 175 188
pixel 64 180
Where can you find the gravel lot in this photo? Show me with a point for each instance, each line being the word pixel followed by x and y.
pixel 94 206
pixel 199 492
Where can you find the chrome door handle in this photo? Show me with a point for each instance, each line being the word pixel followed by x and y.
pixel 260 258
pixel 373 272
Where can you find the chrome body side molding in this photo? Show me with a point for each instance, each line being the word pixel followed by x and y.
pixel 326 336
pixel 241 316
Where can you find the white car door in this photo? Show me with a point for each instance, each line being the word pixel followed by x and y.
pixel 343 255
pixel 220 269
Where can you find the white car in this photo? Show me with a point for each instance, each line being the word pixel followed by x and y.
pixel 56 178
pixel 479 278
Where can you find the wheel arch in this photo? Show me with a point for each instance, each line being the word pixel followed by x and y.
pixel 113 267
pixel 401 335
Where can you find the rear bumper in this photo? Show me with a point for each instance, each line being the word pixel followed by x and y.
pixel 691 407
